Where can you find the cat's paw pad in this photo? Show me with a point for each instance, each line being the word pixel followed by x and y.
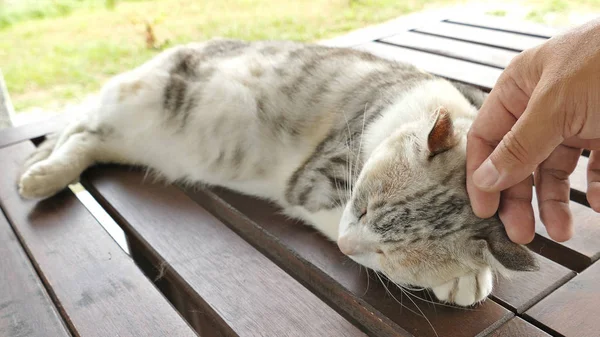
pixel 466 290
pixel 42 180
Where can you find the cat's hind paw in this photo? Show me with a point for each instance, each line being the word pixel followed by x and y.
pixel 466 290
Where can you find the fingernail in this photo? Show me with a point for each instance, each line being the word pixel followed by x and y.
pixel 486 175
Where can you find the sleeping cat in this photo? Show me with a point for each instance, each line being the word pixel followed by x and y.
pixel 369 151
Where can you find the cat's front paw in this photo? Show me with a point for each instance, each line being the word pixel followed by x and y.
pixel 466 290
pixel 42 180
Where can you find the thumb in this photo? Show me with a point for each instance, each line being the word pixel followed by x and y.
pixel 530 141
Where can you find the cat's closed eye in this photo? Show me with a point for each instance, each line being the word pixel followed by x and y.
pixel 363 213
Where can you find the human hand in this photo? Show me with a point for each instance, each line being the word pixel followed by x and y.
pixel 543 110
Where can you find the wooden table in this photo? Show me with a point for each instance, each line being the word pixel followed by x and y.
pixel 214 263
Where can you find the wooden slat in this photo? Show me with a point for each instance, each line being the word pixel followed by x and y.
pixel 467 51
pixel 385 29
pixel 318 262
pixel 98 288
pixel 578 181
pixel 525 289
pixel 573 309
pixel 578 252
pixel 510 41
pixel 224 276
pixel 26 132
pixel 25 307
pixel 479 75
pixel 517 327
pixel 502 24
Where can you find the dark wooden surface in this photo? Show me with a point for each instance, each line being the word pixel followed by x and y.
pixel 233 266
pixel 25 307
pixel 91 279
pixel 522 290
pixel 582 249
pixel 573 309
pixel 319 263
pixel 517 327
pixel 227 278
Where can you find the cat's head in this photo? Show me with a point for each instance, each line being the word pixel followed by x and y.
pixel 409 216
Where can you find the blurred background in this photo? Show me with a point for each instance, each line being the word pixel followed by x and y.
pixel 56 52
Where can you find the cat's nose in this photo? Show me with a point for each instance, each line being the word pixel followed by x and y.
pixel 346 245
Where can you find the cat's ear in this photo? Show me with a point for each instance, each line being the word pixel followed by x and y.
pixel 441 137
pixel 503 253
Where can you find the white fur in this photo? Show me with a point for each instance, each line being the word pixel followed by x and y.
pixel 139 136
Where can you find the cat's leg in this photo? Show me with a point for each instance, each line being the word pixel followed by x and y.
pixel 466 290
pixel 325 221
pixel 54 166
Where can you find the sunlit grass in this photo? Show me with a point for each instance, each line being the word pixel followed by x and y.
pixel 55 51
pixel 49 60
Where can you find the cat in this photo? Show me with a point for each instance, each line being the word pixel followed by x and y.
pixel 369 151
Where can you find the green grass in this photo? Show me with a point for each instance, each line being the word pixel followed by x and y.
pixel 557 7
pixel 497 12
pixel 56 51
pixel 52 52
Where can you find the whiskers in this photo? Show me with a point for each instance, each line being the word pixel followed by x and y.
pixel 407 292
pixel 404 292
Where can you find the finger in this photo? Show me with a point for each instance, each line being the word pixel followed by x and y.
pixel 552 190
pixel 531 140
pixel 593 178
pixel 516 212
pixel 496 117
pixel 590 144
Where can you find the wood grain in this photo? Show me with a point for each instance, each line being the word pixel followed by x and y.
pixel 517 327
pixel 523 290
pixel 472 52
pixel 573 309
pixel 91 279
pixel 488 37
pixel 479 75
pixel 224 276
pixel 318 262
pixel 578 252
pixel 25 307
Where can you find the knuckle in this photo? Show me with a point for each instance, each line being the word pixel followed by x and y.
pixel 516 153
pixel 557 174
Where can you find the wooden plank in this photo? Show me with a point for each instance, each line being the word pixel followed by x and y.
pixel 502 24
pixel 509 41
pixel 523 290
pixel 573 309
pixel 472 52
pixel 25 307
pixel 479 75
pixel 91 279
pixel 318 262
pixel 226 278
pixel 517 327
pixel 579 177
pixel 21 133
pixel 578 252
pixel 385 29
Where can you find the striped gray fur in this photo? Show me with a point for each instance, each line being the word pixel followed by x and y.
pixel 369 151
